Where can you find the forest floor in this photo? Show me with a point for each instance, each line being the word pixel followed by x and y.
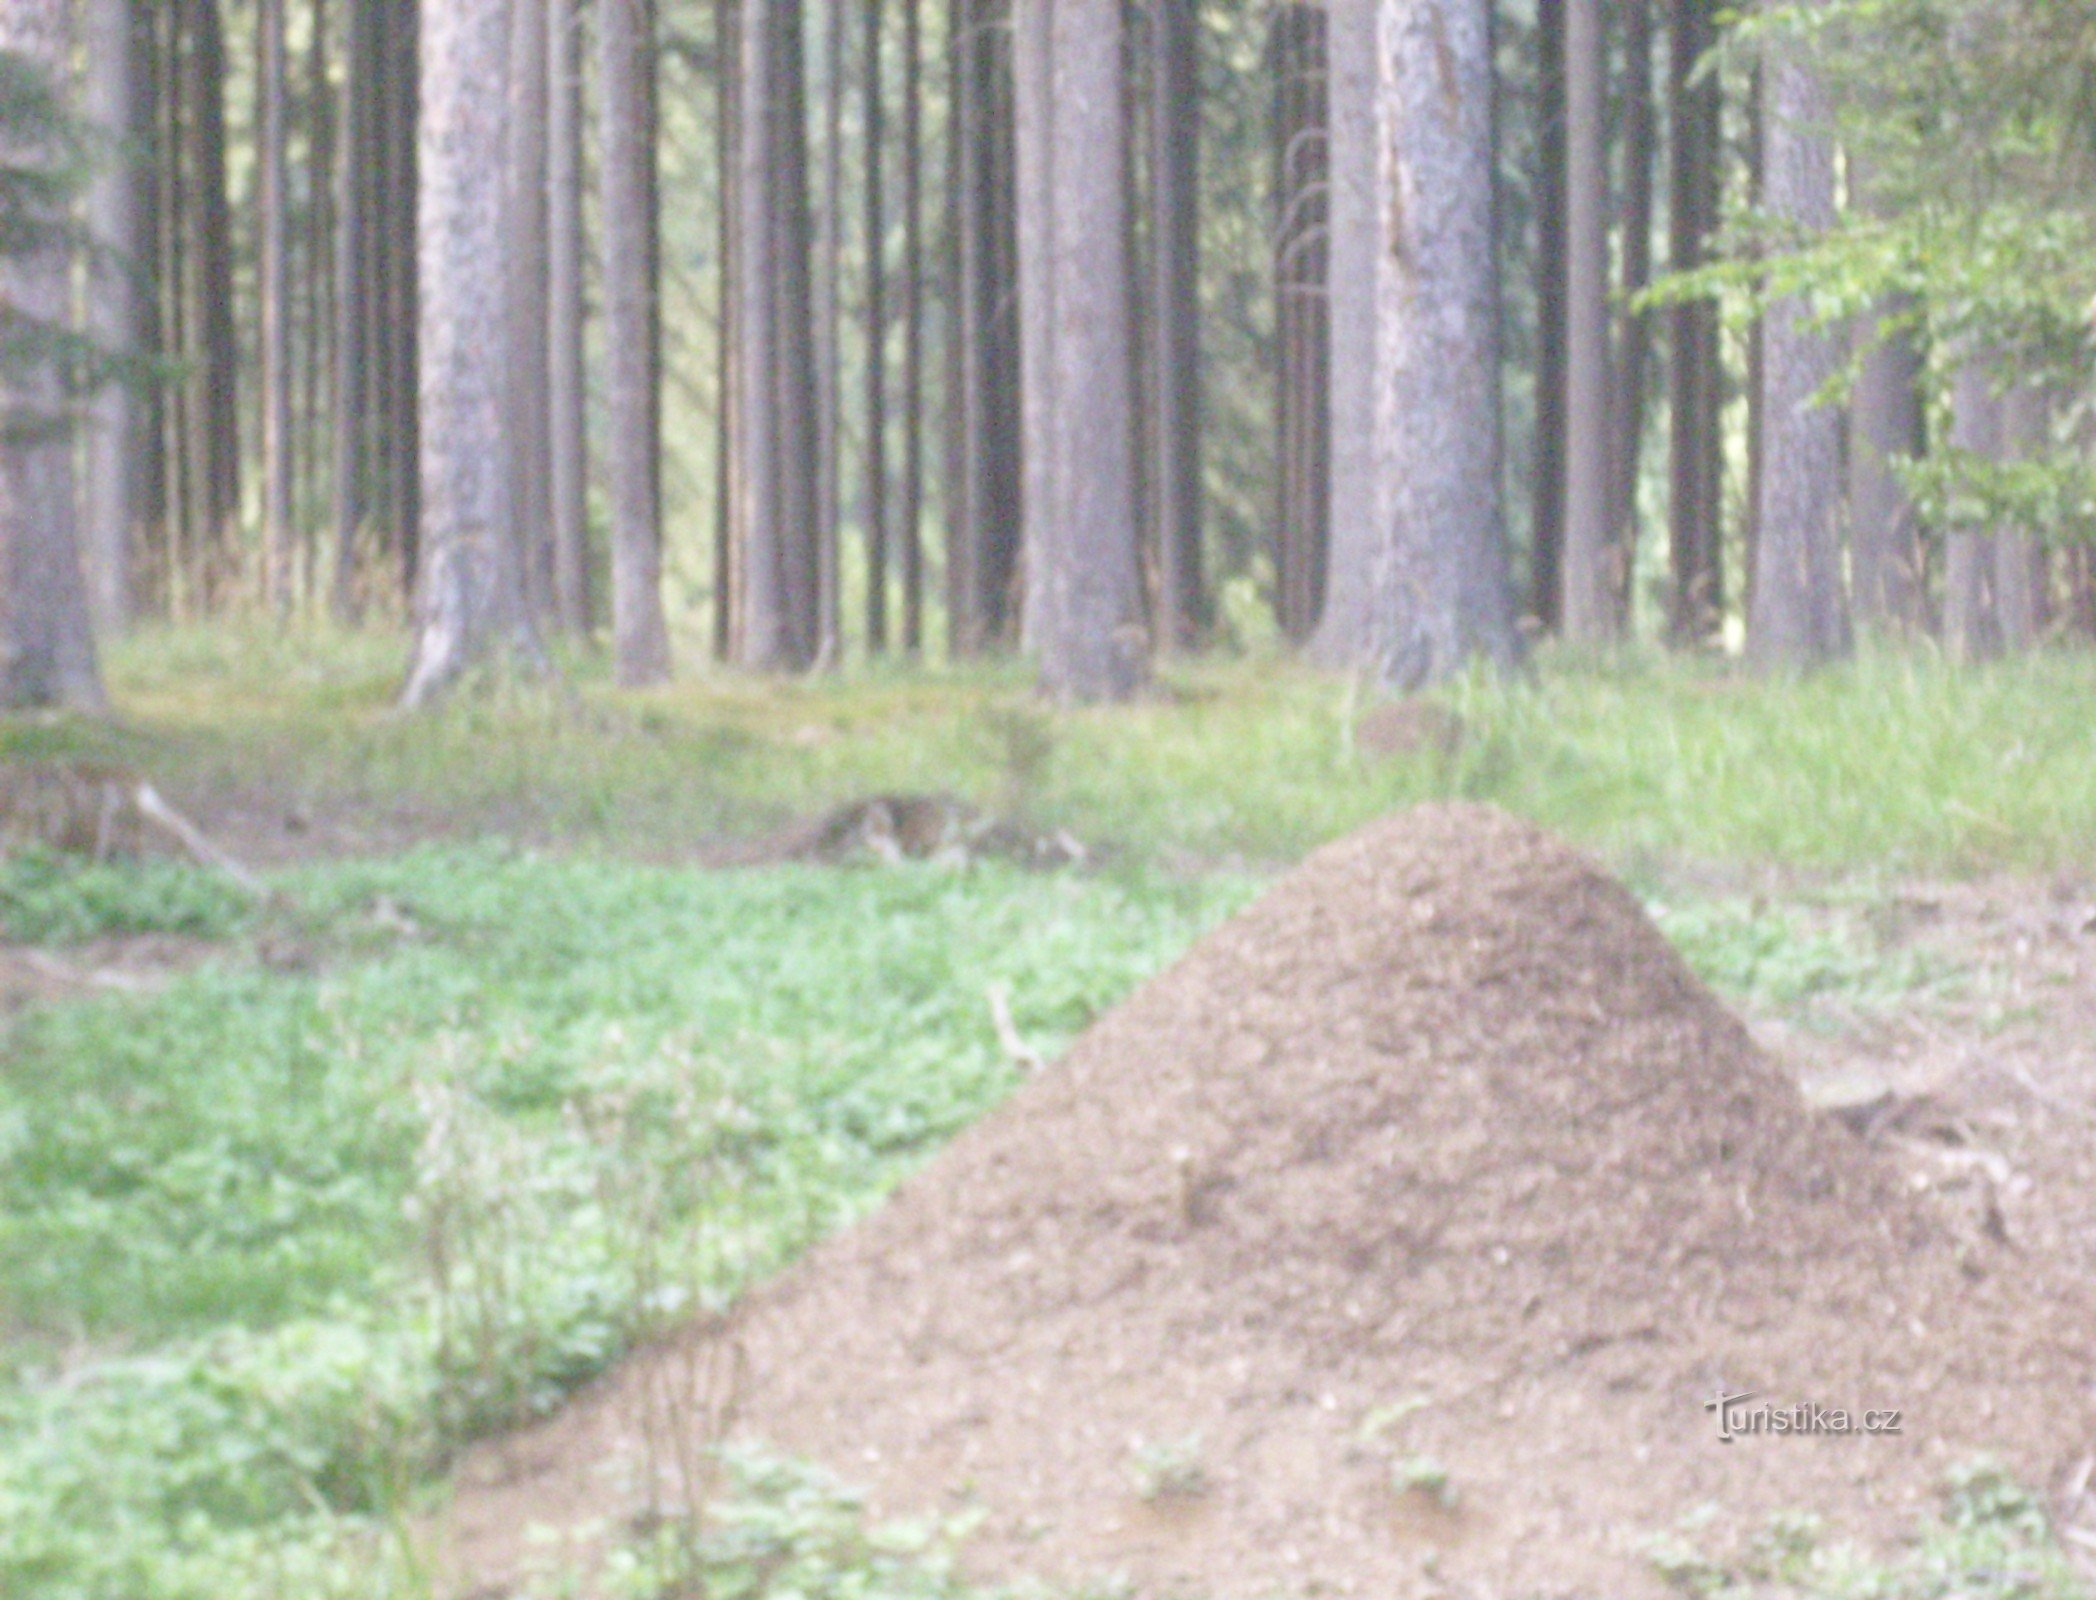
pixel 553 1027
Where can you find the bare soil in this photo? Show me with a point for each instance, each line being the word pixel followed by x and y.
pixel 1421 1209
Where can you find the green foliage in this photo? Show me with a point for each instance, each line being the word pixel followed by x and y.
pixel 47 898
pixel 273 1244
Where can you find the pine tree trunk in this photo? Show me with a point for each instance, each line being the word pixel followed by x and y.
pixel 1355 515
pixel 356 163
pixel 729 467
pixel 398 335
pixel 566 387
pixel 1591 559
pixel 1443 596
pixel 1888 426
pixel 1633 340
pixel 471 597
pixel 876 222
pixel 800 482
pixel 1305 413
pixel 1546 574
pixel 1971 607
pixel 633 338
pixel 218 431
pixel 829 298
pixel 526 264
pixel 2021 566
pixel 910 507
pixel 1175 318
pixel 47 641
pixel 1797 614
pixel 1084 593
pixel 1697 594
pixel 274 216
pixel 112 497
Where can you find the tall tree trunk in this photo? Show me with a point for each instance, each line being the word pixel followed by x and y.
pixel 633 336
pixel 219 433
pixel 471 596
pixel 1633 340
pixel 1084 593
pixel 1304 413
pixel 1797 615
pixel 829 338
pixel 399 415
pixel 566 387
pixel 729 466
pixel 1443 594
pixel 274 215
pixel 1358 519
pixel 776 392
pixel 1546 574
pixel 1591 616
pixel 910 508
pixel 526 264
pixel 47 640
pixel 983 538
pixel 1175 318
pixel 1888 427
pixel 356 165
pixel 1697 594
pixel 111 497
pixel 875 192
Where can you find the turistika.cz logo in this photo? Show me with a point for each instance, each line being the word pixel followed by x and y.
pixel 1740 1417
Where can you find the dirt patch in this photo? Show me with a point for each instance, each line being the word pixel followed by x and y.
pixel 1403 1229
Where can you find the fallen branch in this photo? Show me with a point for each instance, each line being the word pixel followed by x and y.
pixel 1021 1054
pixel 157 811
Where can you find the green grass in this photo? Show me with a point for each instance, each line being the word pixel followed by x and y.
pixel 271 1244
pixel 1899 761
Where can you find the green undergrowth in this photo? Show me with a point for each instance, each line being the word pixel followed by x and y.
pixel 1901 762
pixel 275 1241
pixel 1991 1541
pixel 50 899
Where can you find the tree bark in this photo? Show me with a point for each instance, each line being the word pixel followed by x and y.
pixel 1697 594
pixel 1305 413
pixel 1443 594
pixel 111 496
pixel 1797 617
pixel 566 385
pixel 1633 337
pixel 633 338
pixel 526 265
pixel 47 641
pixel 357 159
pixel 1546 574
pixel 1888 426
pixel 1175 318
pixel 1357 516
pixel 471 596
pixel 274 216
pixel 1084 593
pixel 829 338
pixel 1971 605
pixel 874 190
pixel 1590 579
pixel 910 508
pixel 2021 564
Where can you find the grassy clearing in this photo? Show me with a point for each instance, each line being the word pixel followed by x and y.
pixel 274 1242
pixel 1900 762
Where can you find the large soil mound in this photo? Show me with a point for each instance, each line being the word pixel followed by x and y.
pixel 1437 1154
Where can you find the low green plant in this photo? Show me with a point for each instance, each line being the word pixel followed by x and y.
pixel 51 899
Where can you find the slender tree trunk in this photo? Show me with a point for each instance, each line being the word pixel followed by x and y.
pixel 1697 596
pixel 729 467
pixel 317 297
pixel 799 480
pixel 1888 427
pixel 1083 586
pixel 526 262
pixel 1175 317
pixel 875 191
pixel 399 416
pixel 471 596
pixel 1443 593
pixel 567 390
pixel 910 508
pixel 1358 520
pixel 1633 340
pixel 47 640
pixel 1591 616
pixel 1797 615
pixel 829 297
pixel 219 436
pixel 357 161
pixel 272 154
pixel 633 336
pixel 111 495
pixel 1305 413
pixel 1547 533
